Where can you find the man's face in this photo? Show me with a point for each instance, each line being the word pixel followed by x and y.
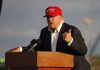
pixel 53 22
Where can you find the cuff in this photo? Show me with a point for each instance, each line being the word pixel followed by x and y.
pixel 70 42
pixel 21 49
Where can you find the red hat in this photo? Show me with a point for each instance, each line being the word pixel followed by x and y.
pixel 53 11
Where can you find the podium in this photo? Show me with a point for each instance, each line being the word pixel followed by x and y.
pixel 38 61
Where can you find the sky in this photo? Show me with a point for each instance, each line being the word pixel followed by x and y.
pixel 22 20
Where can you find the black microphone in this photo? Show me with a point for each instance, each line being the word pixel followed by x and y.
pixel 33 44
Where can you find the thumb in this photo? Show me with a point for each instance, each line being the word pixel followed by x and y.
pixel 69 31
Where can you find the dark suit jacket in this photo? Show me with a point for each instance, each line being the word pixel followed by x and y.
pixel 77 48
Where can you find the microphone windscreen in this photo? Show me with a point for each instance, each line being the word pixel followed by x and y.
pixel 33 41
pixel 38 41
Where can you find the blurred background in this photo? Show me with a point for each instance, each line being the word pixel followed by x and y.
pixel 22 20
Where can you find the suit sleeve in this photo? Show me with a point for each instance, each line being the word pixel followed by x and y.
pixel 78 44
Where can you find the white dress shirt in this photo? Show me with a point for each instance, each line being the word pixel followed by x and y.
pixel 54 37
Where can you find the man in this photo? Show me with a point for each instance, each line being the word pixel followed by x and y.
pixel 62 37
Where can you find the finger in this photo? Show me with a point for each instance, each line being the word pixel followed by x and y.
pixel 69 31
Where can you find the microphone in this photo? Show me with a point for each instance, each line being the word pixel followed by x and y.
pixel 33 44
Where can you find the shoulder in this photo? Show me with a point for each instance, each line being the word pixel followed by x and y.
pixel 70 26
pixel 74 29
pixel 45 29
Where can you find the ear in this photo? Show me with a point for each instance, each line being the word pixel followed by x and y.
pixel 62 19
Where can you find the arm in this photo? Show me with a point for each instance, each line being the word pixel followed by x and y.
pixel 78 43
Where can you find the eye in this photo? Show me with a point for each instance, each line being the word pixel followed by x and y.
pixel 48 17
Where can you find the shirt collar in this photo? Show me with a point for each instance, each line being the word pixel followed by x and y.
pixel 58 29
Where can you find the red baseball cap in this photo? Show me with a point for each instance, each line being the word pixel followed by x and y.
pixel 53 11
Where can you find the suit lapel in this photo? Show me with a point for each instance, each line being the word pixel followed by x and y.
pixel 64 28
pixel 48 40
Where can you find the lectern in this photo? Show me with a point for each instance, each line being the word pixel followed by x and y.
pixel 38 61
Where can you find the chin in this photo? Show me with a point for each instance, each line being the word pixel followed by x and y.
pixel 52 27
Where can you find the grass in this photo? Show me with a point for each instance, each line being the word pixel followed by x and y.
pixel 95 62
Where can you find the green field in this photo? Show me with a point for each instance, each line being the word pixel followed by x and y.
pixel 95 62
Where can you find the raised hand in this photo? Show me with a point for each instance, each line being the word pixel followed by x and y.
pixel 67 36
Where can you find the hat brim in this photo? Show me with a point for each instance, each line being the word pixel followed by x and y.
pixel 48 16
pixel 44 16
